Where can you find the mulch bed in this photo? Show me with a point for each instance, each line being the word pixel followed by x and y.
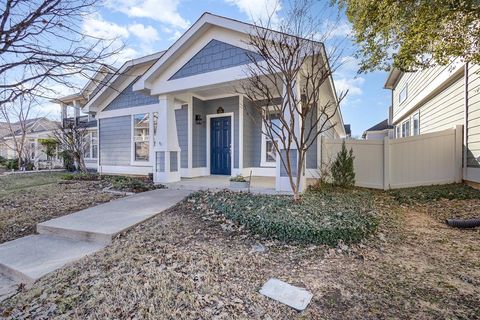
pixel 183 264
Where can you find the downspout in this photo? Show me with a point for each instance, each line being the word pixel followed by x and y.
pixel 465 123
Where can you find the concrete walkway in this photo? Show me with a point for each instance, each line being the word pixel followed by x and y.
pixel 63 240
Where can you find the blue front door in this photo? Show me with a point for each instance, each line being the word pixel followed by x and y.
pixel 220 143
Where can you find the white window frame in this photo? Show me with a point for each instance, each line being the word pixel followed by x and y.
pixel 398 131
pixel 151 154
pixel 409 132
pixel 263 149
pixel 404 91
pixel 417 116
pixel 89 136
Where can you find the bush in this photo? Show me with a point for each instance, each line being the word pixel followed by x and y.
pixel 342 170
pixel 433 193
pixel 68 162
pixel 322 217
pixel 238 178
pixel 3 161
pixel 12 164
pixel 131 184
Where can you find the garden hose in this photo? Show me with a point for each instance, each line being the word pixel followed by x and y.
pixel 463 223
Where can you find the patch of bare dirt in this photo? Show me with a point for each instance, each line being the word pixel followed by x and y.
pixel 185 265
pixel 21 210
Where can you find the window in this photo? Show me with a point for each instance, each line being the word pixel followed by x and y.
pixel 91 145
pixel 416 124
pixel 402 96
pixel 141 138
pixel 268 145
pixel 398 132
pixel 406 128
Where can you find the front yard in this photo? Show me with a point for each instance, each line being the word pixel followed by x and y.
pixel 191 263
pixel 27 199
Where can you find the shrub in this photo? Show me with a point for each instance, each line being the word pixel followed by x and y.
pixel 322 217
pixel 238 178
pixel 343 174
pixel 433 193
pixel 3 161
pixel 68 162
pixel 12 164
pixel 131 184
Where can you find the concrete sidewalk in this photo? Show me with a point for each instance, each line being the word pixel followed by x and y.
pixel 71 237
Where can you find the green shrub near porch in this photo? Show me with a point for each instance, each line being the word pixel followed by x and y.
pixel 322 217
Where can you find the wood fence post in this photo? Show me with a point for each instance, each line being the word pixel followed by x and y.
pixel 386 163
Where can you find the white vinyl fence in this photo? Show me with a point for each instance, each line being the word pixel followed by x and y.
pixel 431 158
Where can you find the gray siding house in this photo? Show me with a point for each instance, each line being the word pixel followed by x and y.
pixel 175 113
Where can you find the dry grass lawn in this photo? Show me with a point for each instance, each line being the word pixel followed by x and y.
pixel 27 199
pixel 184 265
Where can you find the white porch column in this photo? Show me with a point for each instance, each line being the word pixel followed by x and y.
pixel 167 149
pixel 282 181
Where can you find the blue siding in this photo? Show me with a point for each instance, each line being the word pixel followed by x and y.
pixel 199 136
pixel 311 158
pixel 115 141
pixel 216 55
pixel 129 98
pixel 181 117
pixel 204 108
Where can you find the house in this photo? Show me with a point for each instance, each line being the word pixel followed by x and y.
pixel 36 129
pixel 163 113
pixel 439 98
pixel 348 131
pixel 379 131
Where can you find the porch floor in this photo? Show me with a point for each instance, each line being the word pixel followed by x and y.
pixel 264 185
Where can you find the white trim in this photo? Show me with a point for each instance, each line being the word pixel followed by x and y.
pixel 190 132
pixel 89 133
pixel 136 170
pixel 263 148
pixel 120 72
pixel 127 111
pixel 232 147
pixel 240 131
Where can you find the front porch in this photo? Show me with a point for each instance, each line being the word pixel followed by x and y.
pixel 219 182
pixel 259 184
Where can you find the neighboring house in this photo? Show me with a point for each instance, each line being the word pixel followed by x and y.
pixel 163 113
pixel 436 99
pixel 348 131
pixel 379 131
pixel 37 128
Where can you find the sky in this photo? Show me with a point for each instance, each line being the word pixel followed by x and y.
pixel 147 26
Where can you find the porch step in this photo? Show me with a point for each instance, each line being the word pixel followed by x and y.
pixel 26 259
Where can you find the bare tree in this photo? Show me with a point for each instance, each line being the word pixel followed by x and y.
pixel 42 44
pixel 72 140
pixel 18 119
pixel 287 84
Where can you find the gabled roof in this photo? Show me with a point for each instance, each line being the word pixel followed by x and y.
pixel 120 75
pixel 382 125
pixel 207 19
pixel 98 80
pixel 393 78
pixel 34 125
